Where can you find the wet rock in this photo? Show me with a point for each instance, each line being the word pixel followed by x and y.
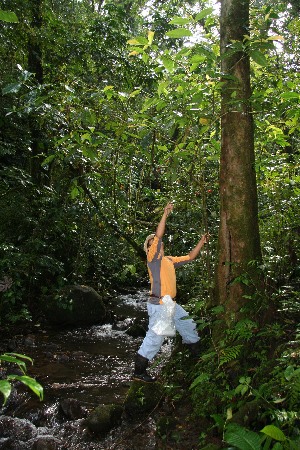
pixel 19 429
pixel 142 398
pixel 46 443
pixel 16 433
pixel 103 418
pixel 75 305
pixel 72 409
pixel 29 341
pixel 12 444
pixel 136 330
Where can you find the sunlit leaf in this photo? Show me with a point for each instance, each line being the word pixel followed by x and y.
pixel 29 382
pixel 179 33
pixel 162 88
pixel 8 16
pixel 290 95
pixel 229 414
pixel 276 38
pixel 274 432
pixel 179 21
pixel 141 40
pixel 203 121
pixel 204 13
pixel 150 37
pixel 168 63
pixel 108 88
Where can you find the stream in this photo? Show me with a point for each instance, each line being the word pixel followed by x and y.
pixel 89 365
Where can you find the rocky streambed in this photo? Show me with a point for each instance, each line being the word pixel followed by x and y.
pixel 81 369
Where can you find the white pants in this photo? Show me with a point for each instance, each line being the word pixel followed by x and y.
pixel 185 327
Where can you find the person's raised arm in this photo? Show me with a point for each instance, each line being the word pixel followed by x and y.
pixel 160 230
pixel 196 250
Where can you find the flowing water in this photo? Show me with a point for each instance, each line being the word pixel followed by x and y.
pixel 92 365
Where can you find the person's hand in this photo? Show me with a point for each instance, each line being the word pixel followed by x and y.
pixel 205 238
pixel 168 209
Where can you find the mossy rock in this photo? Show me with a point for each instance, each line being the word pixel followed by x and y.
pixel 142 398
pixel 75 306
pixel 103 418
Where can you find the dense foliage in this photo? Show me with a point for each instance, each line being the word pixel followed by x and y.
pixel 108 111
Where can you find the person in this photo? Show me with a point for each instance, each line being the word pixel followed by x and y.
pixel 162 275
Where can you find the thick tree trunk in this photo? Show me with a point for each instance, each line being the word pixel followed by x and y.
pixel 239 241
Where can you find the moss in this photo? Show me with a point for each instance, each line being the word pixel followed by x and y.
pixel 142 398
pixel 103 418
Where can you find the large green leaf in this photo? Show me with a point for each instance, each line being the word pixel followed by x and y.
pixel 179 33
pixel 204 13
pixel 8 16
pixel 258 57
pixel 290 95
pixel 274 432
pixel 168 63
pixel 29 382
pixel 242 438
pixel 179 21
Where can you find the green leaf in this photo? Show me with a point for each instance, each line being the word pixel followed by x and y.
pixel 11 88
pixel 290 95
pixel 197 59
pixel 277 37
pixel 150 36
pixel 13 360
pixel 140 40
pixel 242 438
pixel 168 63
pixel 274 433
pixel 29 382
pixel 162 88
pixel 289 372
pixel 258 57
pixel 200 379
pixel 179 21
pixel 48 160
pixel 8 16
pixel 179 33
pixel 19 355
pixel 204 13
pixel 5 389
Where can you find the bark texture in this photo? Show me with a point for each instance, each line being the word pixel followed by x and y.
pixel 239 240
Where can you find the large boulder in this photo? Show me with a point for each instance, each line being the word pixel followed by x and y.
pixel 76 306
pixel 18 429
pixel 142 398
pixel 103 418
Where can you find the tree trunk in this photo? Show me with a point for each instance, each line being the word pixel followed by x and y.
pixel 239 241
